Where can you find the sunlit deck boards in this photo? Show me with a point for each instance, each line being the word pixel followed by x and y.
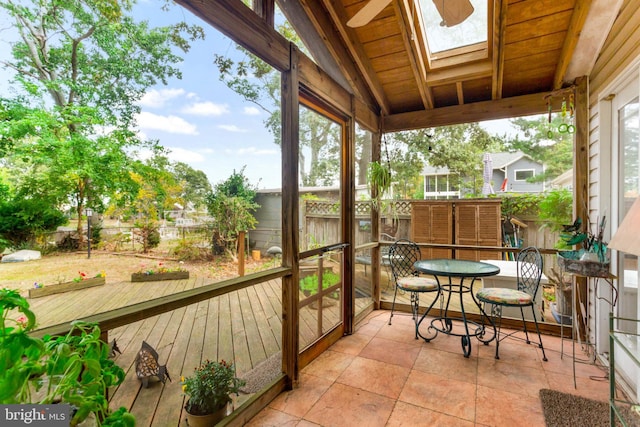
pixel 242 326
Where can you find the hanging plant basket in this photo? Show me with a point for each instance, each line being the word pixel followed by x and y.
pixel 569 262
pixel 155 277
pixel 66 287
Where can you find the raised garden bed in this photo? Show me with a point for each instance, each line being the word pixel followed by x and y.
pixel 173 275
pixel 66 287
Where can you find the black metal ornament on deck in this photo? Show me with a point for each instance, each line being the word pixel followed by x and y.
pixel 147 365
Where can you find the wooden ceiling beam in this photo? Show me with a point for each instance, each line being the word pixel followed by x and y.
pixel 410 36
pixel 266 10
pixel 346 47
pixel 499 28
pixel 578 18
pixel 468 113
pixel 461 73
pixel 257 37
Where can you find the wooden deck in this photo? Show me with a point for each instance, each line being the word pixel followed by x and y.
pixel 242 326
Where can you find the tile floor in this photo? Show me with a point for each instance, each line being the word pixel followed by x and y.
pixel 382 376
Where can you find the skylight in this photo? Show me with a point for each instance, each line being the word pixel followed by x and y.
pixel 441 38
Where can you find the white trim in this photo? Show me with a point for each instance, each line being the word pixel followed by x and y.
pixel 515 174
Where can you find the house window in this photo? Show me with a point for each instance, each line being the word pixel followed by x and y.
pixel 442 184
pixel 431 184
pixel 524 174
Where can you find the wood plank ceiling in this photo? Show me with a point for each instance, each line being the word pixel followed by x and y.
pixel 529 47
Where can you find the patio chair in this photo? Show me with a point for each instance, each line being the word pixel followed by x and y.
pixel 402 255
pixel 529 272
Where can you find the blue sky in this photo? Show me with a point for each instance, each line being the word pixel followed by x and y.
pixel 198 119
pixel 201 121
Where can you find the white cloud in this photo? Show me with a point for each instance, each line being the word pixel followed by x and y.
pixel 251 111
pixel 253 151
pixel 208 150
pixel 232 128
pixel 178 154
pixel 157 98
pixel 171 124
pixel 206 109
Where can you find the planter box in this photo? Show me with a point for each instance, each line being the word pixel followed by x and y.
pixel 174 275
pixel 66 287
pixel 568 261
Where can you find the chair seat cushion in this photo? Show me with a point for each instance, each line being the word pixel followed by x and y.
pixel 504 296
pixel 417 284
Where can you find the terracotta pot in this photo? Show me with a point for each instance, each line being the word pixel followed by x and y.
pixel 208 420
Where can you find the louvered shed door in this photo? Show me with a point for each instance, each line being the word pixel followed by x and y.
pixel 466 230
pixel 478 224
pixel 432 222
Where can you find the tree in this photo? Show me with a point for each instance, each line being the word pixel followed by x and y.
pixel 21 220
pixel 82 66
pixel 459 148
pixel 232 205
pixel 195 184
pixel 257 82
pixel 543 143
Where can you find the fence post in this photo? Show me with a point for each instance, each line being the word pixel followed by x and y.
pixel 241 235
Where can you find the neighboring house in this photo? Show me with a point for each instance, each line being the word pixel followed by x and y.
pixel 440 183
pixel 564 180
pixel 510 172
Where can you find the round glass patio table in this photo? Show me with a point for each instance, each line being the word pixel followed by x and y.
pixel 467 272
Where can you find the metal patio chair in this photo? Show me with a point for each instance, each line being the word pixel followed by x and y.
pixel 402 255
pixel 529 272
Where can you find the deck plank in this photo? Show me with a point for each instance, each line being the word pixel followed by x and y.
pixel 172 397
pixel 239 334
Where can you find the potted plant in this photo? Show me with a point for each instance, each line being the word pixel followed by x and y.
pixel 161 272
pixel 73 369
pixel 82 281
pixel 209 392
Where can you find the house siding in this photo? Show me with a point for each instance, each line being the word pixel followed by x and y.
pixel 521 186
pixel 618 57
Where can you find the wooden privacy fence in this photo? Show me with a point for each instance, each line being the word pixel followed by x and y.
pixel 321 224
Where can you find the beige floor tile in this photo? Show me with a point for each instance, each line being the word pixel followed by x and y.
pixel 389 351
pixel 329 365
pixel 297 402
pixel 387 379
pixel 343 406
pixel 446 364
pixel 405 414
pixel 452 397
pixel 504 409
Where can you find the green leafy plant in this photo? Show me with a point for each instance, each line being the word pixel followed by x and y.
pixel 309 284
pixel 74 368
pixel 160 268
pixel 210 387
pixel 379 179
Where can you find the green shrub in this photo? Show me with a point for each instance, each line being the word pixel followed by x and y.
pixel 309 284
pixel 21 220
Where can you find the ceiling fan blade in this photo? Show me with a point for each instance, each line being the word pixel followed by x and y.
pixel 453 12
pixel 367 13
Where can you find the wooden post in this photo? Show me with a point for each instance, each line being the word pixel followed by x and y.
pixel 241 237
pixel 581 178
pixel 290 222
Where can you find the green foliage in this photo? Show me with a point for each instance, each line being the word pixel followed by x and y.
pixel 70 136
pixel 525 204
pixel 232 206
pixel 21 220
pixel 148 234
pixel 74 368
pixel 210 387
pixel 379 180
pixel 190 250
pixel 543 143
pixel 556 208
pixel 309 284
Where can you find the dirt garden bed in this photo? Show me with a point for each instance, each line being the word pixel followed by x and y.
pixel 118 267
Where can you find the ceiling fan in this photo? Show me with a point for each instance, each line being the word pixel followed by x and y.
pixel 452 12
